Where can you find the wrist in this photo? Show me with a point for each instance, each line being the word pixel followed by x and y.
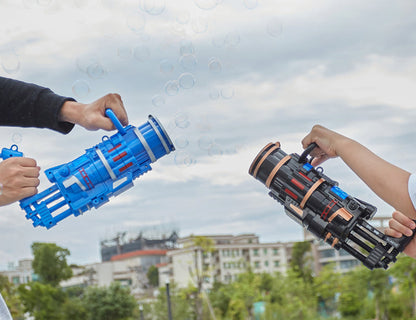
pixel 70 112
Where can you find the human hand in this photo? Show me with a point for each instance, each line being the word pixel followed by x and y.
pixel 400 225
pixel 92 116
pixel 19 178
pixel 327 142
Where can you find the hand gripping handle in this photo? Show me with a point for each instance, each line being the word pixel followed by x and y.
pixel 110 113
pixel 403 241
pixel 306 152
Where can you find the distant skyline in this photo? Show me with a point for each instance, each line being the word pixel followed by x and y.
pixel 225 77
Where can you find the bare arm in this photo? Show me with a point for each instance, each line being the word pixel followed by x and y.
pixel 388 181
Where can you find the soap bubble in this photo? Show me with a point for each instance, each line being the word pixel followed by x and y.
pixel 10 62
pixel 158 100
pixel 214 94
pixel 232 39
pixel 227 93
pixel 188 61
pixel 274 27
pixel 166 66
pixel 136 22
pixel 182 120
pixel 205 142
pixel 17 137
pixel 183 17
pixel 181 142
pixel 124 52
pixel 187 80
pixel 186 47
pixel 96 71
pixel 199 25
pixel 206 4
pixel 81 88
pixel 84 61
pixel 215 150
pixel 172 87
pixel 250 4
pixel 141 53
pixel 183 158
pixel 153 7
pixel 214 65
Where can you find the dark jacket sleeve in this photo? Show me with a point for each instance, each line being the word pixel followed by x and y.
pixel 29 105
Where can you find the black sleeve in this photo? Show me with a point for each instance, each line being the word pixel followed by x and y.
pixel 29 105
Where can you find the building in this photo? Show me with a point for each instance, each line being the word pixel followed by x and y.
pixel 22 273
pixel 231 255
pixel 120 245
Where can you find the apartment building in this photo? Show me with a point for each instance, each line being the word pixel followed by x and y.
pixel 230 256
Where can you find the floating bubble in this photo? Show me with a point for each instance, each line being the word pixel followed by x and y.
pixel 96 71
pixel 183 17
pixel 81 88
pixel 206 4
pixel 141 53
pixel 17 137
pixel 205 142
pixel 250 4
pixel 45 3
pixel 187 80
pixel 153 7
pixel 227 93
pixel 10 62
pixel 84 61
pixel 136 22
pixel 274 27
pixel 181 142
pixel 232 39
pixel 218 41
pixel 199 25
pixel 214 65
pixel 182 120
pixel 188 61
pixel 186 47
pixel 124 52
pixel 214 94
pixel 172 87
pixel 183 158
pixel 166 66
pixel 215 150
pixel 158 100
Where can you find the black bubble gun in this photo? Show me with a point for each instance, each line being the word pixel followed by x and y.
pixel 316 202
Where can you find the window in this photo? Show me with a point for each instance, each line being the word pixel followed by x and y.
pixel 266 263
pixel 349 264
pixel 15 280
pixel 275 252
pixel 276 264
pixel 265 252
pixel 257 264
pixel 328 253
pixel 256 252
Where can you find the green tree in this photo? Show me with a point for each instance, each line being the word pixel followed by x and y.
pixel 11 297
pixel 327 286
pixel 301 260
pixel 42 301
pixel 153 276
pixel 112 303
pixel 181 306
pixel 50 263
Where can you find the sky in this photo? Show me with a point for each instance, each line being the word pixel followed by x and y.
pixel 224 77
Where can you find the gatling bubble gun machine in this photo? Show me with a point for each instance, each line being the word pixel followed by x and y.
pixel 315 201
pixel 105 170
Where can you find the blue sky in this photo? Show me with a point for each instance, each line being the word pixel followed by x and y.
pixel 225 77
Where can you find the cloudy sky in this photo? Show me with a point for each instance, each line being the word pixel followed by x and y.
pixel 225 77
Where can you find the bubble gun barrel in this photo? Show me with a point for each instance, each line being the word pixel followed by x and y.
pixel 105 170
pixel 316 202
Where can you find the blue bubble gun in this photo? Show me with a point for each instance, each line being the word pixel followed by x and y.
pixel 105 170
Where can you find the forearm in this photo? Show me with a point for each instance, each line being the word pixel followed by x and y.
pixel 388 181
